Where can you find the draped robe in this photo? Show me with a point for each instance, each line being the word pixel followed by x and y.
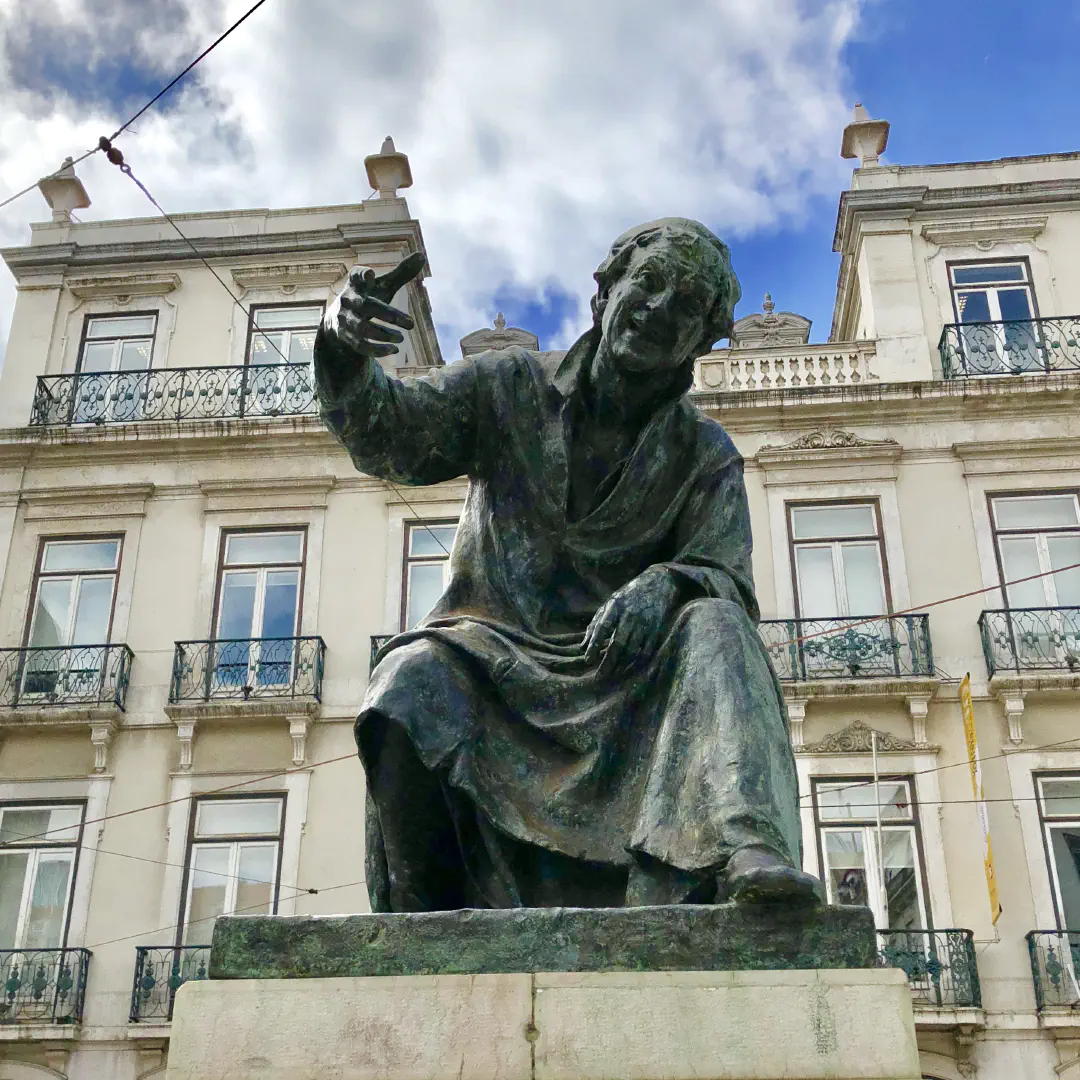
pixel 685 757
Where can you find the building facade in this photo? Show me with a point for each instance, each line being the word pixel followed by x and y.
pixel 195 580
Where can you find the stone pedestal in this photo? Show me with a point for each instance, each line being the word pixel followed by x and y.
pixel 738 1025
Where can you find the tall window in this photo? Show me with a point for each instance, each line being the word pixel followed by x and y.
pixel 427 567
pixel 118 343
pixel 283 334
pixel 233 861
pixel 1059 812
pixel 996 293
pixel 838 560
pixel 38 847
pixel 258 606
pixel 74 590
pixel 1036 534
pixel 887 878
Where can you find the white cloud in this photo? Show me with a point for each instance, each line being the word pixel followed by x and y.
pixel 536 131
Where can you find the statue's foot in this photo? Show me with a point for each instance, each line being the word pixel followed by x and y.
pixel 758 875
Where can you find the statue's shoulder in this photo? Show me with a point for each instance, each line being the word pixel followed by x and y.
pixel 501 365
pixel 713 441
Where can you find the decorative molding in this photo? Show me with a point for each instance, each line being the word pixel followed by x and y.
pixel 769 327
pixel 298 732
pixel 283 493
pixel 100 501
pixel 856 738
pixel 100 736
pixel 830 439
pixel 289 275
pixel 1004 456
pixel 984 232
pixel 122 286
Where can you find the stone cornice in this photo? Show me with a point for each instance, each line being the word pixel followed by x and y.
pixel 1003 456
pixel 984 232
pixel 123 285
pixel 289 274
pixel 87 501
pixel 278 493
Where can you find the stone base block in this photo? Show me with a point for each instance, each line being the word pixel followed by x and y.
pixel 675 1025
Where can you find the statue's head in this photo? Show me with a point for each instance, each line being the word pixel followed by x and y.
pixel 666 294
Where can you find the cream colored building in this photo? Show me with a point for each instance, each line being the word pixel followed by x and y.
pixel 193 575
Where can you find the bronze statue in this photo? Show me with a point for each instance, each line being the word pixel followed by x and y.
pixel 587 717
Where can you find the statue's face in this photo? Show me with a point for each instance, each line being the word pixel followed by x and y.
pixel 656 312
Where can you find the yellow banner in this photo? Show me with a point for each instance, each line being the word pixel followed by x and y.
pixel 968 711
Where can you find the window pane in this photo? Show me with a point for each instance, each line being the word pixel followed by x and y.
pixel 135 355
pixel 81 555
pixel 53 614
pixel 901 880
pixel 92 611
pixel 263 548
pixel 428 540
pixel 255 887
pixel 301 346
pixel 830 522
pixel 1014 304
pixel 845 861
pixel 279 605
pixel 856 800
pixel 425 588
pixel 817 589
pixel 209 882
pixel 1065 551
pixel 126 326
pixel 1036 512
pixel 1060 797
pixel 48 901
pixel 1065 851
pixel 98 356
pixel 1020 559
pixel 12 878
pixel 240 817
pixel 863 579
pixel 973 307
pixel 267 349
pixel 40 824
pixel 977 275
pixel 237 604
pixel 279 318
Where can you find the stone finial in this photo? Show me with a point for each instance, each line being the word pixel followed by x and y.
pixel 864 138
pixel 501 337
pixel 388 170
pixel 64 192
pixel 500 321
pixel 768 305
pixel 770 327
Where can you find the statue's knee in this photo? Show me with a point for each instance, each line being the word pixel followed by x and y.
pixel 713 615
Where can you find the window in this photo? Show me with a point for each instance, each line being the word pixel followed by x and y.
pixel 887 878
pixel 284 334
pixel 1000 292
pixel 37 871
pixel 233 862
pixel 74 590
pixel 427 567
pixel 118 343
pixel 258 607
pixel 1059 813
pixel 1035 534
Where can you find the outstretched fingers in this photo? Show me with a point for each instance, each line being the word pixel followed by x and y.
pixel 386 287
pixel 369 307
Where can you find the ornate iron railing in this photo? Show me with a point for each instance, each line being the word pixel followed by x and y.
pixel 159 973
pixel 940 966
pixel 891 647
pixel 1016 347
pixel 377 642
pixel 65 675
pixel 247 668
pixel 1055 967
pixel 1031 639
pixel 203 393
pixel 43 986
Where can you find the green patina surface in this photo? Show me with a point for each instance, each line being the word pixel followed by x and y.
pixel 725 937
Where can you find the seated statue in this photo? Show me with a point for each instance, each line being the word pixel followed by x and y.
pixel 587 717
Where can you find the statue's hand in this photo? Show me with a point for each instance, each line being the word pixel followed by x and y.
pixel 355 318
pixel 632 624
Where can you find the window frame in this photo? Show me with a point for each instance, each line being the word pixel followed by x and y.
pixel 408 560
pixel 1028 282
pixel 84 336
pixel 1037 776
pixel 996 533
pixel 281 797
pixel 77 845
pixel 801 504
pixel 829 780
pixel 251 328
pixel 39 573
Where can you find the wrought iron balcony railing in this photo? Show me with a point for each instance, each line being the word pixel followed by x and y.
pixel 1055 967
pixel 159 973
pixel 246 668
pixel 895 646
pixel 377 642
pixel 940 966
pixel 1031 639
pixel 43 986
pixel 65 675
pixel 203 393
pixel 1016 347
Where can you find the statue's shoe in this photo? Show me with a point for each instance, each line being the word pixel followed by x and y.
pixel 759 876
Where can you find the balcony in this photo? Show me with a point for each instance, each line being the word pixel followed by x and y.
pixel 159 973
pixel 65 675
pixel 940 966
pixel 786 367
pixel 174 394
pixel 1020 640
pixel 377 642
pixel 43 986
pixel 1055 962
pixel 1017 347
pixel 248 669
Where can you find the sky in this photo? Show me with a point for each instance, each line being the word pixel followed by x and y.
pixel 536 131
